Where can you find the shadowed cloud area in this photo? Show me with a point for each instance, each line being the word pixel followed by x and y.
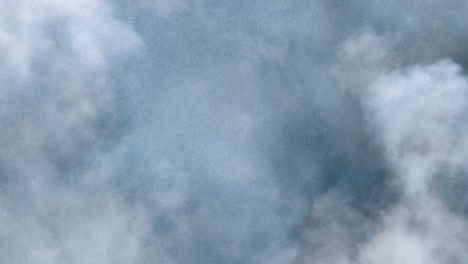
pixel 237 132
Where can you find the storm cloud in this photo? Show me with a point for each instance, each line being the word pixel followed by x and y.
pixel 196 131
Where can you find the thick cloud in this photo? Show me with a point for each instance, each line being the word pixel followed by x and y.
pixel 59 120
pixel 418 116
pixel 233 131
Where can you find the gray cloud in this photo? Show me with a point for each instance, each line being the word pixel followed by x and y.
pixel 232 132
pixel 59 121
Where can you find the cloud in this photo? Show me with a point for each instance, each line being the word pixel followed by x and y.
pixel 418 116
pixel 59 119
pixel 232 132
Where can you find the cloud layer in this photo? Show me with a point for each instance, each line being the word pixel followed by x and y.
pixel 233 132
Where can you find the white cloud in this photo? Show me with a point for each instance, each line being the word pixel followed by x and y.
pixel 57 113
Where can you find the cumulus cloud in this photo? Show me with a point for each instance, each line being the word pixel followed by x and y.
pixel 417 114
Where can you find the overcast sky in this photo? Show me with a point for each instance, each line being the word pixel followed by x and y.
pixel 233 131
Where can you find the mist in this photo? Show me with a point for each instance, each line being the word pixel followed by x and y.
pixel 237 132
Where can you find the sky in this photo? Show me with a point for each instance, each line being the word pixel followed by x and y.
pixel 235 132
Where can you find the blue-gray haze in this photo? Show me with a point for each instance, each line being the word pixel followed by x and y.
pixel 233 131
